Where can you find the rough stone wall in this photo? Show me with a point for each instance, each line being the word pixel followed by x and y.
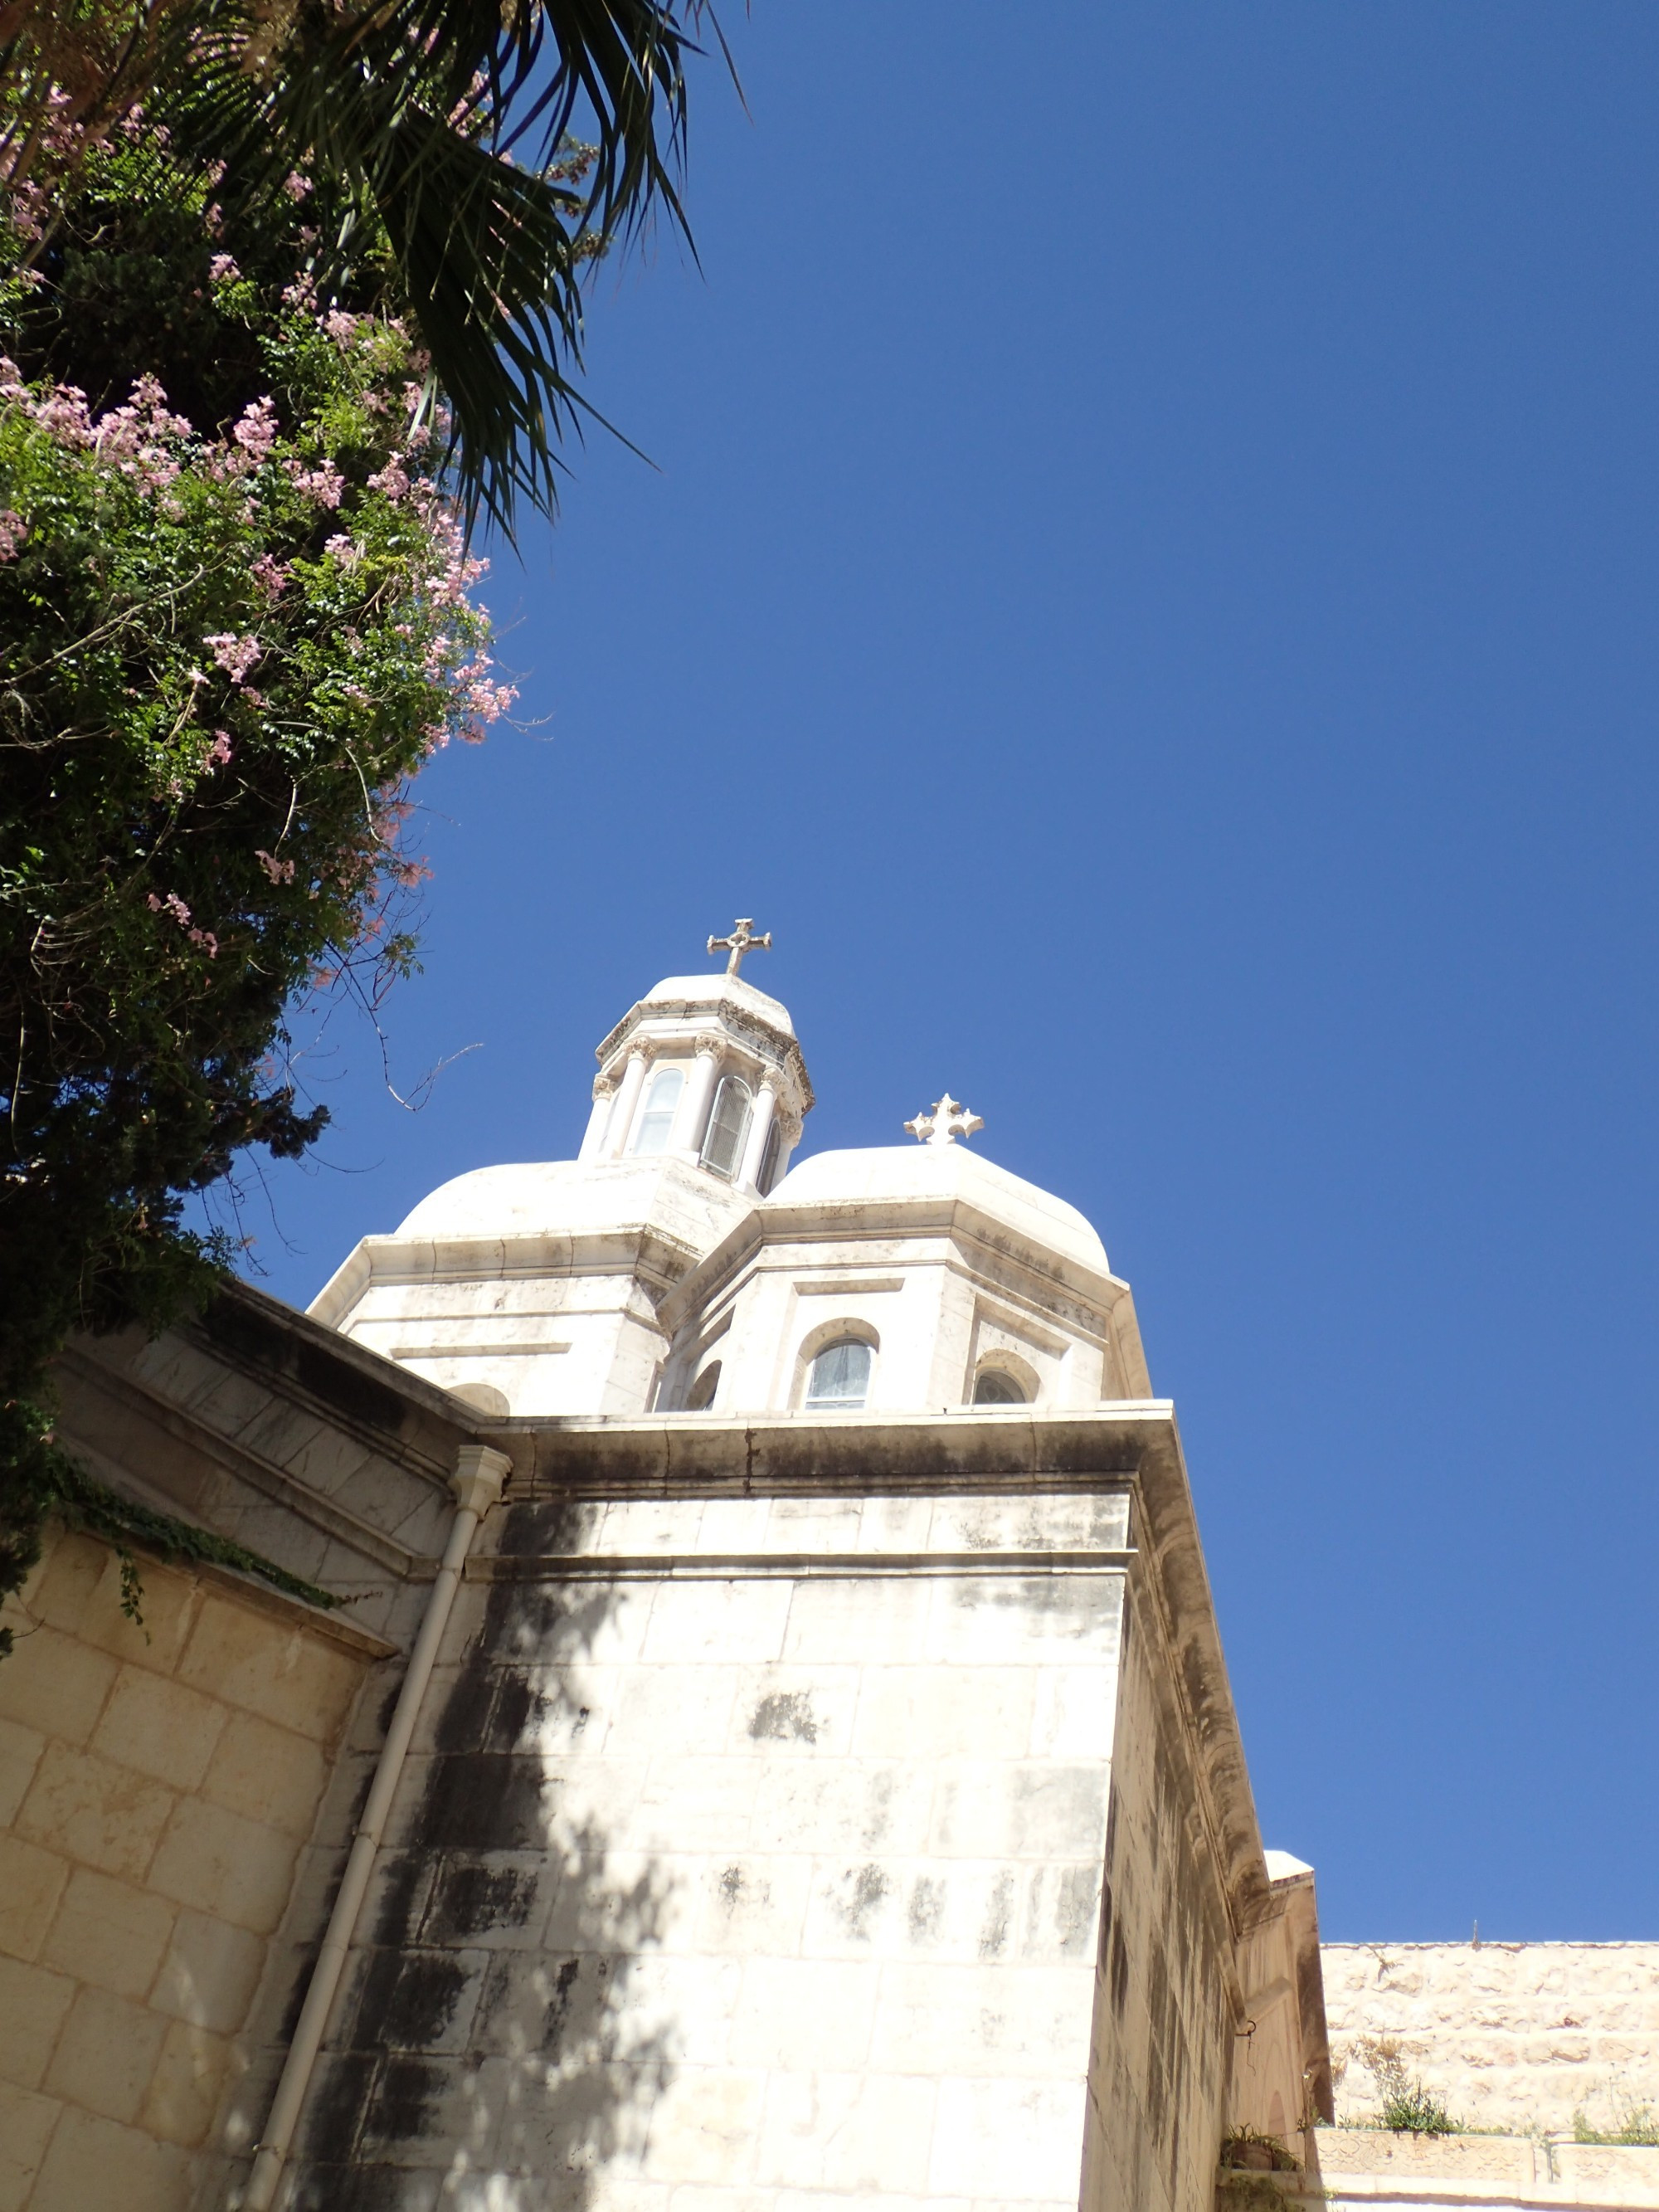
pixel 1163 2026
pixel 749 1853
pixel 1513 2036
pixel 156 1786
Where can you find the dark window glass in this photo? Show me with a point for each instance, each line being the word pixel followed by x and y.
pixel 993 1387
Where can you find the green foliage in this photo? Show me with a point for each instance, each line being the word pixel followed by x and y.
pixel 436 130
pixel 78 1499
pixel 1247 2146
pixel 233 622
pixel 1412 2110
pixel 1632 2123
pixel 1407 2107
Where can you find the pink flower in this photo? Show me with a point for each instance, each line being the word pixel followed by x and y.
pixel 280 872
pixel 296 186
pixel 271 576
pixel 63 414
pixel 344 550
pixel 485 702
pixel 341 326
pixel 219 751
pixel 323 484
pixel 257 429
pixel 171 904
pixel 205 937
pixel 223 270
pixel 13 531
pixel 236 655
pixel 392 479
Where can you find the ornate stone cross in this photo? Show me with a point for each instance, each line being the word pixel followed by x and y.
pixel 949 1119
pixel 743 939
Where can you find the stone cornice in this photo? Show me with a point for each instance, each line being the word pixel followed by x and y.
pixel 949 1216
pixel 641 1251
pixel 715 1017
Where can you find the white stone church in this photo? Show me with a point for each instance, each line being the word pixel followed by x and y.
pixel 768 1747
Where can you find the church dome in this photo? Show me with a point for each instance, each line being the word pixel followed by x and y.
pixel 678 993
pixel 920 1175
pixel 571 1198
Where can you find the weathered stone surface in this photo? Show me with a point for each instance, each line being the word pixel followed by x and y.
pixel 1519 2037
pixel 134 1903
pixel 1357 2167
pixel 109 1933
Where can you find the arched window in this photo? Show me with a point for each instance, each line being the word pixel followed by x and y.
pixel 840 1379
pixel 657 1117
pixel 700 1396
pixel 769 1174
pixel 993 1387
pixel 728 1125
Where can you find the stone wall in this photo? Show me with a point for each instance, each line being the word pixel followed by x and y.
pixel 749 1853
pixel 156 1787
pixel 1518 2037
pixel 1366 2169
pixel 1163 2028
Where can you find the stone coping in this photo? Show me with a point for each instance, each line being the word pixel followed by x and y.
pixel 1482 2174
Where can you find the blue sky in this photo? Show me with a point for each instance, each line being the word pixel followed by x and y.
pixel 1148 589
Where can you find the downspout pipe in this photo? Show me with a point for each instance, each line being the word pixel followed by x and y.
pixel 477 1483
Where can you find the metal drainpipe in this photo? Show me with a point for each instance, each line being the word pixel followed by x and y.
pixel 476 1482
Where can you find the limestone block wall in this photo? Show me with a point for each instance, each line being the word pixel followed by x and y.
pixel 156 1787
pixel 749 1858
pixel 257 1425
pixel 1513 2036
pixel 1163 2028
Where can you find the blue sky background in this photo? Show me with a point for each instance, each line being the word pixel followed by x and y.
pixel 1148 591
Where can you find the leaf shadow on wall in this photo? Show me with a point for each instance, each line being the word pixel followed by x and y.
pixel 491 2055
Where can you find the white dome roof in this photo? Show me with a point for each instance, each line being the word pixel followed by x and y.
pixel 736 991
pixel 571 1198
pixel 911 1174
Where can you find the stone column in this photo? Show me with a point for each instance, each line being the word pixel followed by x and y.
pixel 692 1119
pixel 760 1126
pixel 789 1138
pixel 597 1123
pixel 628 1097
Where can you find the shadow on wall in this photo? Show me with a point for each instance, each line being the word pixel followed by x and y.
pixel 494 2052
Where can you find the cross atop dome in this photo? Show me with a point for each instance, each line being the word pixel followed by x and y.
pixel 743 939
pixel 949 1119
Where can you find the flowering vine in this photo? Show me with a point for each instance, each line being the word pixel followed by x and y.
pixel 236 615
